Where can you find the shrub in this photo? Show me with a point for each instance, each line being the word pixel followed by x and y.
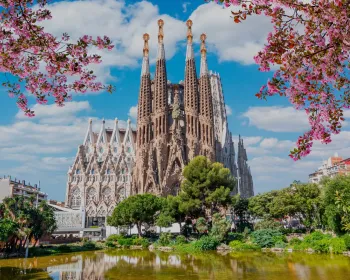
pixel 220 227
pixel 295 241
pixel 141 242
pixel 280 244
pixel 268 224
pixel 346 238
pixel 267 238
pixel 64 249
pixel 241 246
pixel 110 244
pixel 125 242
pixel 321 246
pixel 180 239
pixel 315 236
pixel 337 245
pixel 201 225
pixel 114 237
pixel 231 236
pixel 89 245
pixel 206 243
pixel 165 238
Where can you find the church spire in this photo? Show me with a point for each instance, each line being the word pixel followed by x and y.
pixel 189 51
pixel 161 52
pixel 145 99
pixel 191 97
pixel 145 60
pixel 206 118
pixel 160 84
pixel 204 64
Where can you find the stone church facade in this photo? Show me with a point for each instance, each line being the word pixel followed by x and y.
pixel 175 123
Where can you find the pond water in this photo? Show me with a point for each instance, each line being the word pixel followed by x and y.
pixel 142 265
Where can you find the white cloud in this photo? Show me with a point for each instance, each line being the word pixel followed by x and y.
pixel 126 23
pixel 277 119
pixel 228 110
pixel 184 6
pixel 123 23
pixel 231 42
pixel 276 172
pixel 133 112
pixel 55 114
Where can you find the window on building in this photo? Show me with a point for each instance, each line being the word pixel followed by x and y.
pixel 92 171
pixel 108 171
pixel 77 171
pixel 76 198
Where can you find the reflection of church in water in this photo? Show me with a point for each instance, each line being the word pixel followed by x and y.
pixel 175 123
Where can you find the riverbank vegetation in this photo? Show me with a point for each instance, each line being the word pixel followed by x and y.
pixel 301 217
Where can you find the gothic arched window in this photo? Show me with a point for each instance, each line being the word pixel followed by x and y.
pixel 92 171
pixel 77 171
pixel 91 195
pixel 107 195
pixel 76 198
pixel 108 171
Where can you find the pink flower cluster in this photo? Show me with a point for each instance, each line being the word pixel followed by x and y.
pixel 25 46
pixel 311 45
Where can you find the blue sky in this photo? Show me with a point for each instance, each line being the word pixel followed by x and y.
pixel 43 148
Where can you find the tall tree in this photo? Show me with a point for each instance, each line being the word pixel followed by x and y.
pixel 21 221
pixel 206 187
pixel 310 43
pixel 337 202
pixel 259 205
pixel 26 49
pixel 171 212
pixel 136 210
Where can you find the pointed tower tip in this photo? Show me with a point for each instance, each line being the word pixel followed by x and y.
pixel 90 120
pixel 129 121
pixel 116 120
pixel 189 24
pixel 161 52
pixel 145 61
pixel 160 31
pixel 204 65
pixel 145 45
pixel 189 51
pixel 103 121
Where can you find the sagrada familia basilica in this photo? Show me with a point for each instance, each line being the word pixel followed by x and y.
pixel 175 123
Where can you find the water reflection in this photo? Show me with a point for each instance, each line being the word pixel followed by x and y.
pixel 142 265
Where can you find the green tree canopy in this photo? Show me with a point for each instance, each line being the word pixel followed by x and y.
pixel 259 205
pixel 136 210
pixel 206 186
pixel 337 203
pixel 302 201
pixel 21 221
pixel 171 212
